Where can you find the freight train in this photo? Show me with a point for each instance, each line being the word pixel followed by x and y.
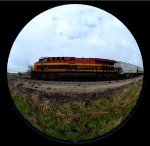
pixel 72 67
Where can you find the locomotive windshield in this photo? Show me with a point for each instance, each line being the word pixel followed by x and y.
pixel 40 60
pixel 43 60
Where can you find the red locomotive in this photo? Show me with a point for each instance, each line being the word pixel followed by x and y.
pixel 65 67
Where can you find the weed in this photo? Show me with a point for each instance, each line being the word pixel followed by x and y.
pixel 73 120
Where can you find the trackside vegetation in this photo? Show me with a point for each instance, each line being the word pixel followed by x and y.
pixel 78 120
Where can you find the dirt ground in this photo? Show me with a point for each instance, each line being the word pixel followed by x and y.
pixel 61 89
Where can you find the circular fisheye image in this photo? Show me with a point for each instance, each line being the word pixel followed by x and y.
pixel 75 73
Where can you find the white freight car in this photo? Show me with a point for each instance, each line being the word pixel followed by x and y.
pixel 126 68
pixel 140 70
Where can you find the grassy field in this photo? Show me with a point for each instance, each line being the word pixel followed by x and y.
pixel 79 120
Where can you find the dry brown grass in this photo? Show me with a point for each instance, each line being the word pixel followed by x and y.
pixel 81 121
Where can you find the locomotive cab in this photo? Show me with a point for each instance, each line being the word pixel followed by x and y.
pixel 43 59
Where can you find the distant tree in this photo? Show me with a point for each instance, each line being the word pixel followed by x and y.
pixel 19 73
pixel 30 69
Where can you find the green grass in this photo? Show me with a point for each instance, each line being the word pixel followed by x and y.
pixel 74 120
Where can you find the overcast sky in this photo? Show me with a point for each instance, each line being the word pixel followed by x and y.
pixel 73 30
